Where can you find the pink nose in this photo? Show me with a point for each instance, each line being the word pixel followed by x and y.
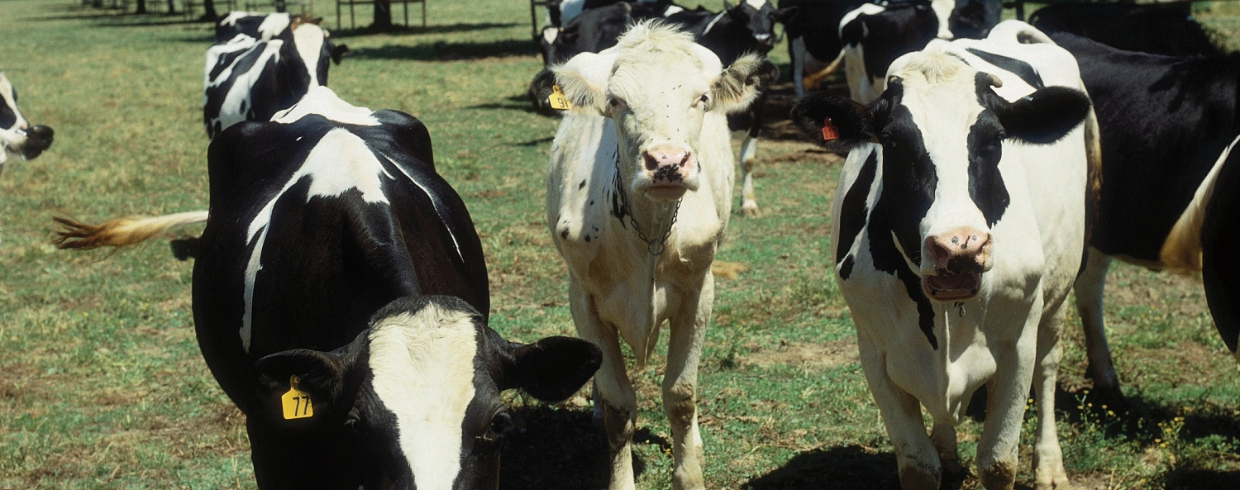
pixel 667 164
pixel 960 250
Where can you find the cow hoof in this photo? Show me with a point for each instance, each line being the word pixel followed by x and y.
pixel 751 211
pixel 1051 477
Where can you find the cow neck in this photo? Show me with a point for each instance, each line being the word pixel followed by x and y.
pixel 655 245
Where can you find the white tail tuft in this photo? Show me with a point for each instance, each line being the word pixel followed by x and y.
pixel 120 232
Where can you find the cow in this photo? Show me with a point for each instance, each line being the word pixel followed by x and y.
pixel 639 191
pixel 1158 28
pixel 256 73
pixel 338 267
pixel 875 35
pixel 959 226
pixel 1165 124
pixel 814 30
pixel 1219 240
pixel 747 27
pixel 17 136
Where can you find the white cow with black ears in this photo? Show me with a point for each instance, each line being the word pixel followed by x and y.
pixel 638 196
pixel 16 135
pixel 959 227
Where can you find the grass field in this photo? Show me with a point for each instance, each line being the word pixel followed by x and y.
pixel 102 384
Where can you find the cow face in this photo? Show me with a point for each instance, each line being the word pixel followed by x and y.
pixel 759 18
pixel 16 135
pixel 417 394
pixel 658 85
pixel 942 130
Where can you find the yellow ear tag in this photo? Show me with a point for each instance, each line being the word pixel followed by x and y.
pixel 296 402
pixel 557 99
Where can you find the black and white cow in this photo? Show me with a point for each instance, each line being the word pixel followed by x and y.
pixel 959 224
pixel 1220 266
pixel 1159 28
pixel 875 35
pixel 745 28
pixel 814 31
pixel 17 136
pixel 337 260
pixel 267 65
pixel 1165 125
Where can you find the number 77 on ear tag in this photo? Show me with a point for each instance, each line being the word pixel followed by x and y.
pixel 557 100
pixel 296 403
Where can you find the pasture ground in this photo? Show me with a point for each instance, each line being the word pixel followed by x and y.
pixel 102 384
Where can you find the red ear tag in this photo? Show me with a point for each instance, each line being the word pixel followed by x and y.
pixel 829 132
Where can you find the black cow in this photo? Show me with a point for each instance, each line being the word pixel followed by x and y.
pixel 1159 28
pixel 1220 264
pixel 338 269
pixel 16 135
pixel 747 27
pixel 266 66
pixel 1165 122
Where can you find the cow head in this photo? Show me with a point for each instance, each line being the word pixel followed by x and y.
pixel 658 86
pixel 315 47
pixel 417 394
pixel 16 135
pixel 942 131
pixel 759 18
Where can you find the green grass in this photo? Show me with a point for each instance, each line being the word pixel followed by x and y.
pixel 102 385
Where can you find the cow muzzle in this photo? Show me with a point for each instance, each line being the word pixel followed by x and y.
pixel 38 138
pixel 958 259
pixel 668 167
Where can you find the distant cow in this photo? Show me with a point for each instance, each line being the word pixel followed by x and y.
pixel 337 262
pixel 874 36
pixel 814 29
pixel 16 135
pixel 249 78
pixel 958 226
pixel 1159 28
pixel 639 193
pixel 1165 123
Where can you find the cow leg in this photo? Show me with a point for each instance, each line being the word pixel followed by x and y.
pixel 1048 468
pixel 915 455
pixel 1089 288
pixel 749 206
pixel 943 436
pixel 684 348
pixel 1005 401
pixel 613 391
pixel 797 49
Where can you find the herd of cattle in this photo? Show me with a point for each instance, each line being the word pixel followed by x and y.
pixel 340 291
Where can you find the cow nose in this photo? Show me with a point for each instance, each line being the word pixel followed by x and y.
pixel 668 163
pixel 41 132
pixel 960 250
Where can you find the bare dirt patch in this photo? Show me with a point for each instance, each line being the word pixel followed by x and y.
pixel 805 354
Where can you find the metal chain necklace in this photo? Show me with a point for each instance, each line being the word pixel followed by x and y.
pixel 655 246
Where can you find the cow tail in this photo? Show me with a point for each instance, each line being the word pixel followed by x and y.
pixel 1181 251
pixel 119 232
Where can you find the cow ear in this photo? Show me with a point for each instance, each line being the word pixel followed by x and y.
pixel 322 376
pixel 741 83
pixel 550 369
pixel 338 52
pixel 853 32
pixel 583 95
pixel 1044 116
pixel 851 123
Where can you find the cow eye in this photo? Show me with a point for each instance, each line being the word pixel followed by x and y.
pixel 354 422
pixel 501 423
pixel 614 102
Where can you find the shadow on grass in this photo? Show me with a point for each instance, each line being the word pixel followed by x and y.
pixel 560 449
pixel 1202 480
pixel 445 51
pixel 433 29
pixel 851 467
